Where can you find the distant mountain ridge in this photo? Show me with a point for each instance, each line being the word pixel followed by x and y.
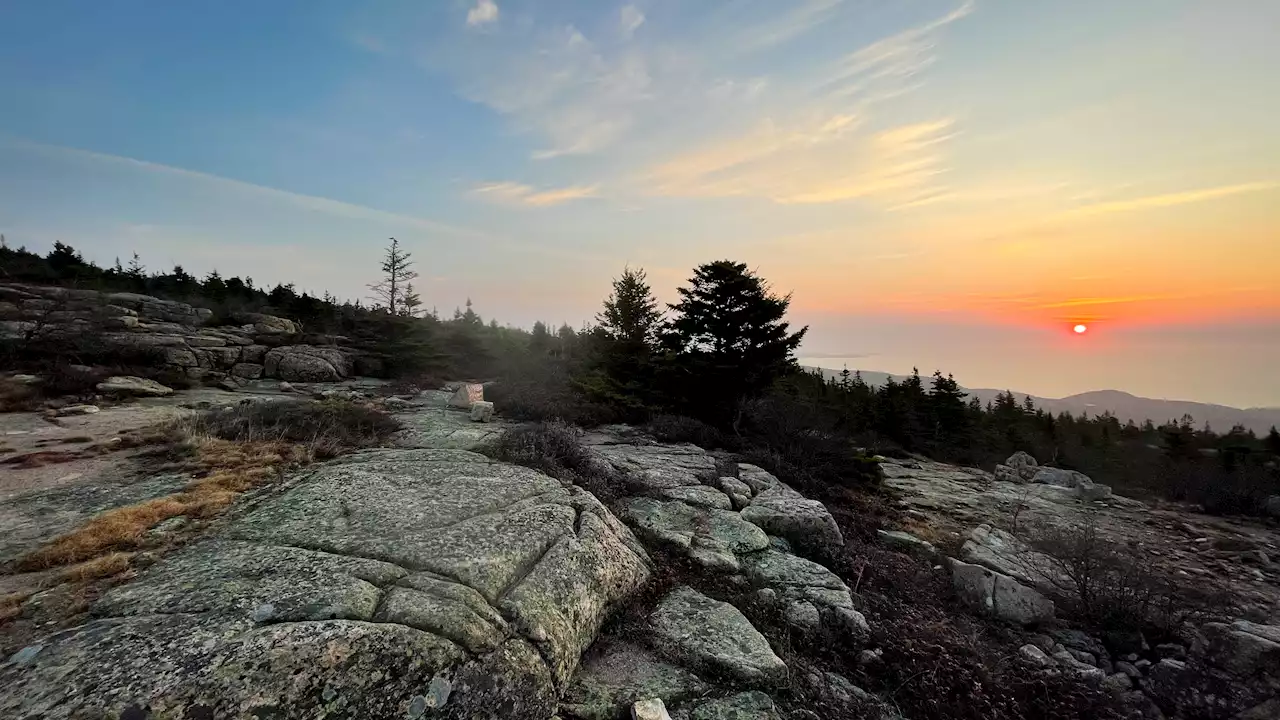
pixel 1125 406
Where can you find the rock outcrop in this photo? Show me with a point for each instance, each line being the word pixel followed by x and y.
pixel 174 337
pixel 397 583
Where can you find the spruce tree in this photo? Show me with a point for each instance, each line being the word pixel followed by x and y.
pixel 397 270
pixel 728 339
pixel 631 314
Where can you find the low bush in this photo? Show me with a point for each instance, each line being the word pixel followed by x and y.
pixel 546 393
pixel 681 429
pixel 1113 588
pixel 327 428
pixel 796 442
pixel 556 449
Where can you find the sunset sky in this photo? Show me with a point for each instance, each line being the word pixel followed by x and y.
pixel 940 183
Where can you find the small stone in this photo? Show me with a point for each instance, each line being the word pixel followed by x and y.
pixel 264 612
pixel 803 616
pixel 467 395
pixel 438 692
pixel 1171 650
pixel 1117 682
pixel 1035 656
pixel 1084 657
pixel 1044 642
pixel 481 411
pixel 77 410
pixel 26 654
pixel 1127 668
pixel 652 709
pixel 128 385
pixel 1142 665
pixel 871 657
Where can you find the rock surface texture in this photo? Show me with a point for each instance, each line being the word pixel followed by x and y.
pixel 396 583
pixel 1217 670
pixel 701 655
pixel 174 337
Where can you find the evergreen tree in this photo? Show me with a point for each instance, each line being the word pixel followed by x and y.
pixel 410 302
pixel 397 271
pixel 631 314
pixel 728 339
pixel 1272 443
pixel 540 339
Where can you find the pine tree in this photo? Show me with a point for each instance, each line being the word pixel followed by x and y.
pixel 729 339
pixel 397 271
pixel 540 339
pixel 631 314
pixel 410 302
pixel 1272 443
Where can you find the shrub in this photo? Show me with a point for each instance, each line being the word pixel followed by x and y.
pixel 555 449
pixel 1113 588
pixel 328 428
pixel 795 441
pixel 544 391
pixel 681 429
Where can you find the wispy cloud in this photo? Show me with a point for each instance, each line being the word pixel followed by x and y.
pixel 779 29
pixel 511 193
pixel 820 147
pixel 484 12
pixel 1171 199
pixel 898 56
pixel 630 19
pixel 313 203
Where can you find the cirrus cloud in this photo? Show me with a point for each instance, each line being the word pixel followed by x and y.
pixel 512 193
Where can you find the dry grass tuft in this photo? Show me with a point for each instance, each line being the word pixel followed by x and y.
pixel 11 605
pixel 100 567
pixel 40 458
pixel 226 469
pixel 229 452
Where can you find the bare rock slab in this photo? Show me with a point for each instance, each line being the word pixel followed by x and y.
pixel 396 583
pixel 713 637
pixel 616 674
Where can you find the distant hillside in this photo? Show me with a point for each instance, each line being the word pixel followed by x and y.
pixel 1123 405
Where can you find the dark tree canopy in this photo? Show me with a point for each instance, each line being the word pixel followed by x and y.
pixel 728 330
pixel 631 314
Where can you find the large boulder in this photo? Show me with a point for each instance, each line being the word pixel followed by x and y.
pixel 789 583
pixel 1060 477
pixel 617 673
pixel 395 583
pixel 1248 650
pixel 128 385
pixel 1023 464
pixel 466 396
pixel 711 537
pixel 1000 551
pixel 1272 506
pixel 657 467
pixel 710 636
pixel 307 363
pixel 786 513
pixel 266 324
pixel 998 596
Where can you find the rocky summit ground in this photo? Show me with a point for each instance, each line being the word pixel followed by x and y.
pixel 427 580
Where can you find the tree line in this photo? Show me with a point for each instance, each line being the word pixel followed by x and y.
pixel 716 367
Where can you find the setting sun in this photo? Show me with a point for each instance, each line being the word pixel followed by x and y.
pixel 1080 329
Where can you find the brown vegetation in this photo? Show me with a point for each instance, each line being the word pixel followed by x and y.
pixel 1112 588
pixel 229 451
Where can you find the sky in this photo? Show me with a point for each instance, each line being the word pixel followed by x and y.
pixel 944 184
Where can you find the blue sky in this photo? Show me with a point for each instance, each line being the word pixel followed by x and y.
pixel 940 183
